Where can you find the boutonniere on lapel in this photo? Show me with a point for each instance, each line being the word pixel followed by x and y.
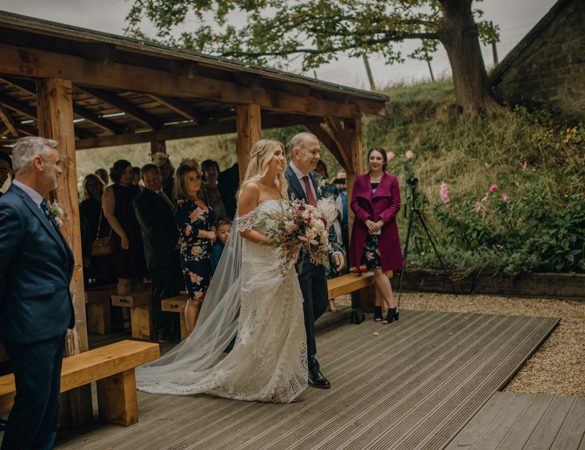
pixel 56 212
pixel 321 184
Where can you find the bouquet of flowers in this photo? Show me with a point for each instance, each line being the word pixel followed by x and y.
pixel 299 228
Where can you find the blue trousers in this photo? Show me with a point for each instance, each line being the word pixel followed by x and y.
pixel 32 423
pixel 313 281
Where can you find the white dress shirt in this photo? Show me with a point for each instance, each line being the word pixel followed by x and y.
pixel 34 195
pixel 300 175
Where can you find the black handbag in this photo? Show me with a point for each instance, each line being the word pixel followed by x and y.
pixel 102 246
pixel 357 316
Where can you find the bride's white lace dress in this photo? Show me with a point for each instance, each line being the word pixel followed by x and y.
pixel 269 360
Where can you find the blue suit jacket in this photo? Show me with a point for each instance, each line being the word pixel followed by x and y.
pixel 36 266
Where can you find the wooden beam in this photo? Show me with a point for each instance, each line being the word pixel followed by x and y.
pixel 186 132
pixel 353 132
pixel 179 107
pixel 55 116
pixel 327 141
pixel 249 132
pixel 339 135
pixel 36 63
pixel 130 110
pixel 19 107
pixel 25 129
pixel 105 124
pixel 101 52
pixel 8 121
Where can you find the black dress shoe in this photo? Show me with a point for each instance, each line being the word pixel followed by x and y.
pixel 316 379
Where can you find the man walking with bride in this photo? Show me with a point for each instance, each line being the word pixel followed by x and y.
pixel 273 359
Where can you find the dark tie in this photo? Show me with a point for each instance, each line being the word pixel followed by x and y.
pixel 45 209
pixel 310 195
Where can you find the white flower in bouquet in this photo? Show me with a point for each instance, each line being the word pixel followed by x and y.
pixel 326 207
pixel 317 224
pixel 56 211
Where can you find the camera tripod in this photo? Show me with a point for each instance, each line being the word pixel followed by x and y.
pixel 413 182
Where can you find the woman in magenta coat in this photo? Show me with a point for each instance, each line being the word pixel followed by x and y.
pixel 375 200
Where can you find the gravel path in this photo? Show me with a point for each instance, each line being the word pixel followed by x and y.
pixel 556 368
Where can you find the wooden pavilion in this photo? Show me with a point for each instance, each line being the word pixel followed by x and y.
pixel 88 89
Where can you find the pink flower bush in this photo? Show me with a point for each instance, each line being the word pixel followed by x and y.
pixel 486 197
pixel 483 215
pixel 390 155
pixel 458 218
pixel 494 188
pixel 477 206
pixel 444 193
pixel 409 154
pixel 505 197
pixel 525 164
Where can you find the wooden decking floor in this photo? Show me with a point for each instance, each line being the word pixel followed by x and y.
pixel 512 421
pixel 415 385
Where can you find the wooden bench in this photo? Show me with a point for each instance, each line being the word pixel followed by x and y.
pixel 112 367
pixel 98 302
pixel 345 284
pixel 140 304
pixel 177 304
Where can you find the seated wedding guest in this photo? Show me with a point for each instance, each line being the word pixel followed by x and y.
pixel 209 189
pixel 128 260
pixel 103 174
pixel 154 211
pixel 228 184
pixel 36 310
pixel 136 178
pixel 167 172
pixel 5 169
pixel 375 201
pixel 329 190
pixel 98 267
pixel 195 222
pixel 223 227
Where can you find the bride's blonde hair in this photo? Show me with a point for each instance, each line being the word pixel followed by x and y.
pixel 260 157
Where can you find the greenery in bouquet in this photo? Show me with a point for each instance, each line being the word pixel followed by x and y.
pixel 298 228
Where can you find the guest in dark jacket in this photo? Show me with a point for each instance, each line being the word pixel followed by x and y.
pixel 36 266
pixel 375 200
pixel 154 211
pixel 167 172
pixel 5 169
pixel 228 182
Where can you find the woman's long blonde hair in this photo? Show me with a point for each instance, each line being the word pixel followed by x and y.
pixel 260 157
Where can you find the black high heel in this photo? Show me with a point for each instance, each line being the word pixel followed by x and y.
pixel 378 314
pixel 391 316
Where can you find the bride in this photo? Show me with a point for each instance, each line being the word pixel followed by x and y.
pixel 247 295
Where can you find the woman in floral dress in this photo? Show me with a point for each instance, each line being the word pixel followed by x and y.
pixel 194 220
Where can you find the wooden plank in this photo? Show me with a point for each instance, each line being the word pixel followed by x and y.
pixel 249 129
pixel 177 305
pixel 353 130
pixel 141 319
pixel 32 63
pixel 99 316
pixel 130 110
pixel 105 124
pixel 8 121
pixel 475 429
pixel 350 283
pixel 132 299
pixel 7 392
pixel 101 293
pixel 551 422
pixel 179 107
pixel 3 353
pixel 502 423
pixel 55 119
pixel 186 132
pixel 572 432
pixel 117 399
pixel 527 423
pixel 19 107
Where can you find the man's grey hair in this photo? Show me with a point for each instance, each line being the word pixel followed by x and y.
pixel 148 168
pixel 299 141
pixel 25 150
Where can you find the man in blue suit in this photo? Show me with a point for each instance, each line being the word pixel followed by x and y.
pixel 303 184
pixel 35 303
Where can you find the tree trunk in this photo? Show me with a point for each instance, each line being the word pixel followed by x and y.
pixel 458 33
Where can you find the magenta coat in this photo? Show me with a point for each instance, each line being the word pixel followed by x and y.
pixel 384 205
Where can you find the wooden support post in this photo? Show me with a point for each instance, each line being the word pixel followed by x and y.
pixel 55 119
pixel 158 146
pixel 117 401
pixel 249 132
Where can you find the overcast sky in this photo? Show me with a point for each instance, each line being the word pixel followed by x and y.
pixel 514 17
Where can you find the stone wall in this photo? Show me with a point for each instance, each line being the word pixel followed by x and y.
pixel 551 67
